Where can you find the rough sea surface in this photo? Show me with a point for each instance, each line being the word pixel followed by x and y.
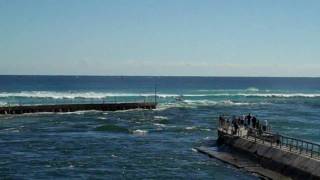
pixel 142 144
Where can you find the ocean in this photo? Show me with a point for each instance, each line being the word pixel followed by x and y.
pixel 142 144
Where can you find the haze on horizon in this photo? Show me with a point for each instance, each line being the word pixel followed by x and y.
pixel 160 37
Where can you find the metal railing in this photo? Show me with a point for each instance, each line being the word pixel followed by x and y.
pixel 291 144
pixel 299 146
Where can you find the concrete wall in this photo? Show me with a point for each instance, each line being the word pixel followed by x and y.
pixel 287 163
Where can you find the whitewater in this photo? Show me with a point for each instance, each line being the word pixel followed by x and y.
pixel 100 95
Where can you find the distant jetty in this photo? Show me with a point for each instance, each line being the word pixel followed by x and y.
pixel 75 107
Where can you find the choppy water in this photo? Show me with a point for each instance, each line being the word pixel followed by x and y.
pixel 142 144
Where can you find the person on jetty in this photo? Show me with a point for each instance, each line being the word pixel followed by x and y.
pixel 241 121
pixel 254 122
pixel 265 126
pixel 248 119
pixel 221 121
pixel 238 122
pixel 236 126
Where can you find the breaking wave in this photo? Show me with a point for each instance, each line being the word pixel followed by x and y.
pixel 199 103
pixel 221 103
pixel 266 95
pixel 74 95
pixel 250 92
pixel 61 95
pixel 252 89
pixel 280 95
pixel 3 103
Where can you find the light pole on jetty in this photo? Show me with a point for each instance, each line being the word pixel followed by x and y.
pixel 155 92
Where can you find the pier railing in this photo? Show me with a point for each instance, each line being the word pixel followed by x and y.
pixel 291 144
pixel 295 145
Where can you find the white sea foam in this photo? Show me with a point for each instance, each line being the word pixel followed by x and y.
pixel 3 103
pixel 37 113
pixel 280 95
pixel 200 102
pixel 197 103
pixel 250 92
pixel 131 110
pixel 101 118
pixel 140 132
pixel 49 94
pixel 252 89
pixel 190 128
pixel 79 112
pixel 160 117
pixel 165 106
pixel 67 95
pixel 229 102
pixel 159 124
pixel 14 130
pixel 194 150
pixel 219 103
pixel 220 90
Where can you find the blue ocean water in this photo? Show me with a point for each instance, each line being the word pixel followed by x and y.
pixel 142 144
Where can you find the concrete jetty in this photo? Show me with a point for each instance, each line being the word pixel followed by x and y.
pixel 276 154
pixel 241 162
pixel 75 107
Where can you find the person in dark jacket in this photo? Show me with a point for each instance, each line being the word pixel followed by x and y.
pixel 248 118
pixel 236 128
pixel 254 122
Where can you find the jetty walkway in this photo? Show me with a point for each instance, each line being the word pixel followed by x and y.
pixel 21 109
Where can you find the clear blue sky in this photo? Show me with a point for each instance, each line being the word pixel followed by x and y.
pixel 160 37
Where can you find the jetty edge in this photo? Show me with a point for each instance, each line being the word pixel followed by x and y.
pixel 76 107
pixel 274 153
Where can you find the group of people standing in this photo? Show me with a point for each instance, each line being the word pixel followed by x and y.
pixel 247 121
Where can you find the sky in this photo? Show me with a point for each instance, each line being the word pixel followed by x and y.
pixel 160 37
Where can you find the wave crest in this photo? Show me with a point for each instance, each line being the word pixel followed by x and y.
pixel 74 95
pixel 140 132
pixel 252 89
pixel 251 92
pixel 221 103
pixel 199 103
